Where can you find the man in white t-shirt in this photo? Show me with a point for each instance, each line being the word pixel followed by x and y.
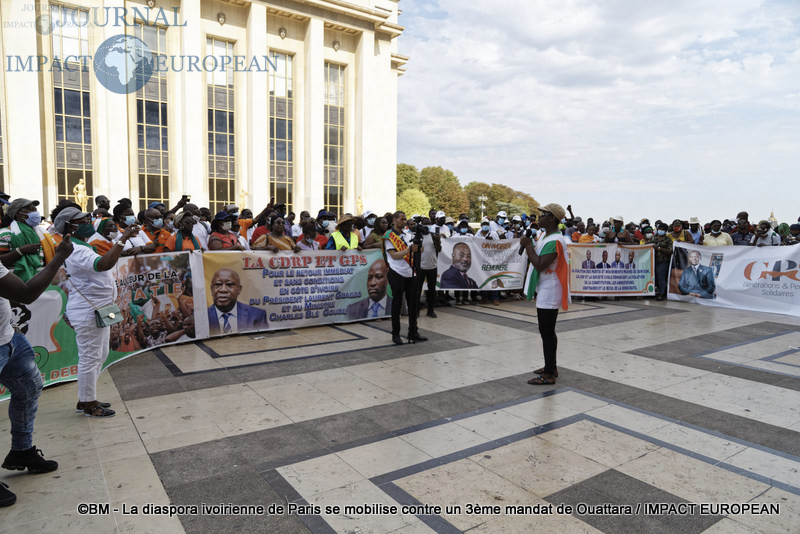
pixel 431 245
pixel 18 370
pixel 399 252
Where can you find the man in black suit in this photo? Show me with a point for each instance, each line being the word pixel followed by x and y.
pixel 378 303
pixel 456 276
pixel 603 264
pixel 233 316
pixel 588 264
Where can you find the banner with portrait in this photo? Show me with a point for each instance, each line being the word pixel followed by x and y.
pixel 765 279
pixel 154 294
pixel 475 264
pixel 611 269
pixel 252 291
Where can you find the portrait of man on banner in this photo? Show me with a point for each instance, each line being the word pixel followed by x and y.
pixel 456 276
pixel 227 315
pixel 377 303
pixel 697 280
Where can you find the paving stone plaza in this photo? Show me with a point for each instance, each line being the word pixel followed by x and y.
pixel 667 417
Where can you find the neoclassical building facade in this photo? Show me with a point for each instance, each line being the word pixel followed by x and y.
pixel 229 101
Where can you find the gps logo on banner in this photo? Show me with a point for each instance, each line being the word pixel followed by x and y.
pixel 776 272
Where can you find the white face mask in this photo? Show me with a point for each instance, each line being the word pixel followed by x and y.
pixel 226 226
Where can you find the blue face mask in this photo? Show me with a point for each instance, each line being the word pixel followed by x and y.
pixel 485 227
pixel 130 220
pixel 662 232
pixel 462 230
pixel 500 220
pixel 158 223
pixel 34 218
pixel 325 223
pixel 371 221
pixel 450 225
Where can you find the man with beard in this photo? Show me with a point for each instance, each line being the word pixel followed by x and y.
pixel 378 303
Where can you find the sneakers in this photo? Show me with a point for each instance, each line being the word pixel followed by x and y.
pixel 81 406
pixel 7 498
pixel 96 409
pixel 31 459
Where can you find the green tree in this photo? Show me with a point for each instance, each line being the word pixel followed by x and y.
pixel 444 191
pixel 413 201
pixel 407 177
pixel 499 198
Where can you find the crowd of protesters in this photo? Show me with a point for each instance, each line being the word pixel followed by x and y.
pixel 89 244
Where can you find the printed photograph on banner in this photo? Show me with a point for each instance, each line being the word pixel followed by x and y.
pixel 692 274
pixel 612 269
pixel 746 278
pixel 481 264
pixel 256 291
pixel 155 296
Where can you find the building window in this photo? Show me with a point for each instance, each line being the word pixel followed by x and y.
pixel 71 103
pixel 334 138
pixel 151 122
pixel 281 129
pixel 221 137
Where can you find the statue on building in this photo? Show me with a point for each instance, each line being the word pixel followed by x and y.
pixel 359 206
pixel 80 194
pixel 772 220
pixel 242 199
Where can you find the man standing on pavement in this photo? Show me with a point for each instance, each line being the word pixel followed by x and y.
pixel 401 277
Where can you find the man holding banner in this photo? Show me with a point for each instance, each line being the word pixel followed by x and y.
pixel 549 279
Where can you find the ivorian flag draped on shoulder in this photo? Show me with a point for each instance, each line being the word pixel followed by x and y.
pixel 553 245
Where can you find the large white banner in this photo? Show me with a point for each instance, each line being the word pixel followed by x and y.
pixel 473 264
pixel 763 279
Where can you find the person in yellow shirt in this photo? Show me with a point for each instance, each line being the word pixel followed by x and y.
pixel 716 237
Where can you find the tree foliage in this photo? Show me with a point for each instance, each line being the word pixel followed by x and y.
pixel 407 177
pixel 413 201
pixel 444 192
pixel 499 198
pixel 443 189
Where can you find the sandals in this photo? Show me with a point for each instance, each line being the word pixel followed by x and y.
pixel 542 380
pixel 541 372
pixel 98 411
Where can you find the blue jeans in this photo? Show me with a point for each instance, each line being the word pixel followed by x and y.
pixel 20 375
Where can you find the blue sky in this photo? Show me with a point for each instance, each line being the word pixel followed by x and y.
pixel 644 109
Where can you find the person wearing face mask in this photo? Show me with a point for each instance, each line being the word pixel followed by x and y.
pixel 105 234
pixel 369 219
pixel 183 238
pixel 486 231
pixel 138 242
pixel 154 228
pixel 662 248
pixel 324 227
pixel 91 285
pixel 222 236
pixel 679 234
pixel 497 226
pixel 794 235
pixel 716 237
pixel 23 244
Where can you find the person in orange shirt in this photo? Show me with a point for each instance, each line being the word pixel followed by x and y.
pixel 103 238
pixel 590 236
pixel 183 239
pixel 154 228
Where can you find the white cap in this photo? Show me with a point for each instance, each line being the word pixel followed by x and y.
pixel 366 214
pixel 439 214
pixel 501 214
pixel 517 218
